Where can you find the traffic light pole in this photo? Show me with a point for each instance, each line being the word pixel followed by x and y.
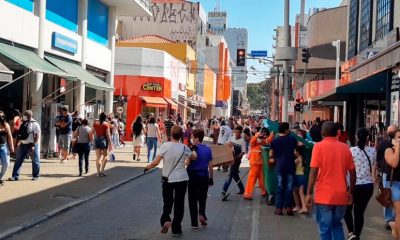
pixel 287 43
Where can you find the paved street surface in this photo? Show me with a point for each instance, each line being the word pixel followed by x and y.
pixel 132 211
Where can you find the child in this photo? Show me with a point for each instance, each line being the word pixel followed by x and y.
pixel 239 149
pixel 299 183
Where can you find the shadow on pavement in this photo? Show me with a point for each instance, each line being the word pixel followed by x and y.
pixel 21 211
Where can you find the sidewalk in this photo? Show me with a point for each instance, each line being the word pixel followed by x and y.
pixel 28 202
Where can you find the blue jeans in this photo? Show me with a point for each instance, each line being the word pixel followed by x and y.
pixel 22 151
pixel 151 142
pixel 5 160
pixel 329 220
pixel 115 139
pixel 388 213
pixel 283 198
pixel 233 174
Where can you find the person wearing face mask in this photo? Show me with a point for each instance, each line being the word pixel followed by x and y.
pixel 200 174
pixel 6 145
pixel 28 138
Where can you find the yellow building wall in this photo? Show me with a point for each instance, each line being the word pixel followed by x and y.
pixel 209 79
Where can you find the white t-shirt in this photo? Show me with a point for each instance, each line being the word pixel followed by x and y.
pixel 171 152
pixel 225 132
pixel 33 129
pixel 238 143
pixel 152 130
pixel 363 169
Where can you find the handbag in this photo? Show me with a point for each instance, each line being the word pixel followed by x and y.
pixel 165 179
pixel 384 196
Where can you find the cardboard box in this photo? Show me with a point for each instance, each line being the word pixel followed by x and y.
pixel 222 155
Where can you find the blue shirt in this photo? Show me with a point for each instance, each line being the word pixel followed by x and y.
pixel 283 147
pixel 199 167
pixel 68 128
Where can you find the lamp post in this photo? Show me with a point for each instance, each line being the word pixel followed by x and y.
pixel 337 45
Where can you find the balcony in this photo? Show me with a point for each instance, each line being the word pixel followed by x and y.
pixel 131 7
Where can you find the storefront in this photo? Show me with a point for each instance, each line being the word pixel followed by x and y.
pixel 146 96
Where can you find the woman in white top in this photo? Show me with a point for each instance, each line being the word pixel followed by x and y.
pixel 365 161
pixel 174 179
pixel 138 136
pixel 153 137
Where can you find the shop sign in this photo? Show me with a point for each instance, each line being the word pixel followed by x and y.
pixel 394 115
pixel 395 86
pixel 153 87
pixel 64 43
pixel 120 110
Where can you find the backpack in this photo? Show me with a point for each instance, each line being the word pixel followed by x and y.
pixel 23 133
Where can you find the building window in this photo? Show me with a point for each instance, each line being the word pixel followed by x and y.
pixel 353 29
pixel 384 18
pixel 365 24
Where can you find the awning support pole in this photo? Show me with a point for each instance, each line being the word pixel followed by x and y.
pixel 18 78
pixel 58 95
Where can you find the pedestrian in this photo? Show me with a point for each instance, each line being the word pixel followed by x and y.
pixel 114 130
pixel 16 124
pixel 331 161
pixel 365 161
pixel 256 173
pixel 282 153
pixel 299 182
pixel 84 137
pixel 153 137
pixel 174 179
pixel 384 168
pixel 315 130
pixel 161 126
pixel 121 131
pixel 168 124
pixel 238 145
pixel 76 122
pixel 188 132
pixel 200 174
pixel 65 126
pixel 225 133
pixel 28 139
pixel 392 156
pixel 138 131
pixel 6 145
pixel 102 143
pixel 247 136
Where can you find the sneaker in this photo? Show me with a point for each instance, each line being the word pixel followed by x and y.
pixel 35 178
pixel 351 236
pixel 80 174
pixel 240 193
pixel 278 212
pixel 179 234
pixel 387 226
pixel 289 212
pixel 203 221
pixel 165 228
pixel 134 157
pixel 12 179
pixel 195 227
pixel 2 182
pixel 223 193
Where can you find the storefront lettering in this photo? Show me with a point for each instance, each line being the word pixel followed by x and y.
pixel 395 84
pixel 154 87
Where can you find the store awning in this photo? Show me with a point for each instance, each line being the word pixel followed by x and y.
pixel 192 110
pixel 172 103
pixel 203 105
pixel 30 60
pixel 155 102
pixel 5 73
pixel 370 86
pixel 80 73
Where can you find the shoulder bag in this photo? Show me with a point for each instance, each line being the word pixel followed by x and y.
pixel 384 195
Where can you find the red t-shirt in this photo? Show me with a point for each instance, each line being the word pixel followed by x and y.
pixel 101 129
pixel 333 160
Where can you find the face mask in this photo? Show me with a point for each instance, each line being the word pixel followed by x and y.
pixel 25 118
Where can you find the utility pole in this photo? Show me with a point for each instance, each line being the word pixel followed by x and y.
pixel 337 45
pixel 287 44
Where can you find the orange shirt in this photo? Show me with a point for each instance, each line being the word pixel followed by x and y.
pixel 101 130
pixel 255 154
pixel 333 160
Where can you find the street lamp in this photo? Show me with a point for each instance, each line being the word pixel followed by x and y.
pixel 337 45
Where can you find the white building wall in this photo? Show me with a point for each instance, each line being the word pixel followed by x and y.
pixel 98 56
pixel 18 25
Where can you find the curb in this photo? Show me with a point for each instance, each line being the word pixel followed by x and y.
pixel 57 211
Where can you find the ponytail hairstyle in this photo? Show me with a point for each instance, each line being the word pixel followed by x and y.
pixel 362 137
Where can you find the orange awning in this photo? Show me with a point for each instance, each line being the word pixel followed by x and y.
pixel 172 103
pixel 155 102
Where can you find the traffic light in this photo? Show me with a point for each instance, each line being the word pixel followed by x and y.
pixel 305 55
pixel 241 58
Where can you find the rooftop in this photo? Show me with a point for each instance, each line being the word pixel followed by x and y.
pixel 146 39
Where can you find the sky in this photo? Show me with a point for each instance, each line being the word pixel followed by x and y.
pixel 261 17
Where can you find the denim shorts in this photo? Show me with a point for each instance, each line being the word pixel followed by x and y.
pixel 64 141
pixel 396 191
pixel 299 180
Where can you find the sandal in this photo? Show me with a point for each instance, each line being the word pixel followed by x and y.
pixel 165 228
pixel 394 230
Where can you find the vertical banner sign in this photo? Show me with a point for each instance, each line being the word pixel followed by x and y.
pixel 394 100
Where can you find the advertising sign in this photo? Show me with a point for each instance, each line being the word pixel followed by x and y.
pixel 64 43
pixel 259 54
pixel 154 87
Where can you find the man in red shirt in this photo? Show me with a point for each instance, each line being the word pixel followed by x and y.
pixel 330 162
